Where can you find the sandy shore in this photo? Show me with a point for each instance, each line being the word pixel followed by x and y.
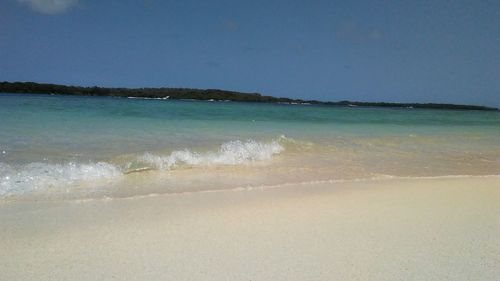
pixel 425 229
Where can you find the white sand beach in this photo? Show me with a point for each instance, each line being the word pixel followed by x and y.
pixel 399 229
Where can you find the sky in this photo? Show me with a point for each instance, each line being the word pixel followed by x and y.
pixel 396 51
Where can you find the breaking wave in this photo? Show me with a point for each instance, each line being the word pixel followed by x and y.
pixel 33 176
pixel 28 178
pixel 230 153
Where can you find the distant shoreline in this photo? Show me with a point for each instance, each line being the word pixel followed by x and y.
pixel 207 95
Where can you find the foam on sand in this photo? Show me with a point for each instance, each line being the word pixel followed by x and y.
pixel 34 176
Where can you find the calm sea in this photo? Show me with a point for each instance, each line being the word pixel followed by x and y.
pixel 80 147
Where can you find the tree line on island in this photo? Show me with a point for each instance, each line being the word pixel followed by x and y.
pixel 203 94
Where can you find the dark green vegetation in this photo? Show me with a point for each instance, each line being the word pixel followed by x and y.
pixel 197 94
pixel 171 93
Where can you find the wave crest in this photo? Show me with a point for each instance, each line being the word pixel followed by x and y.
pixel 28 178
pixel 230 153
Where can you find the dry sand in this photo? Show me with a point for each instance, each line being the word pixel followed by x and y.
pixel 415 229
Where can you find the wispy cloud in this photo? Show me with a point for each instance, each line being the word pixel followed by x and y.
pixel 49 7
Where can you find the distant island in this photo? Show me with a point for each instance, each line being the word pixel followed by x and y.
pixel 207 94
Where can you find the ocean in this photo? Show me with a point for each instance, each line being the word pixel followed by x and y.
pixel 71 147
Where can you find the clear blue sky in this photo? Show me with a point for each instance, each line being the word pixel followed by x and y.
pixel 401 51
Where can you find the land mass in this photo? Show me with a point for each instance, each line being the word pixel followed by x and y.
pixel 204 94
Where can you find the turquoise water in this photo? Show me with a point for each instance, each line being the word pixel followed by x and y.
pixel 92 146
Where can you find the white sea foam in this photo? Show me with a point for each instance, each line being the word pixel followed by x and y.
pixel 22 179
pixel 230 153
pixel 33 176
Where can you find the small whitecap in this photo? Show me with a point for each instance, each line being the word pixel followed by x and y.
pixel 230 153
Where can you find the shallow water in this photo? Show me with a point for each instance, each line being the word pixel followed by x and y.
pixel 79 147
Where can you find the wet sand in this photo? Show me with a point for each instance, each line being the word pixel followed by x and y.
pixel 398 229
